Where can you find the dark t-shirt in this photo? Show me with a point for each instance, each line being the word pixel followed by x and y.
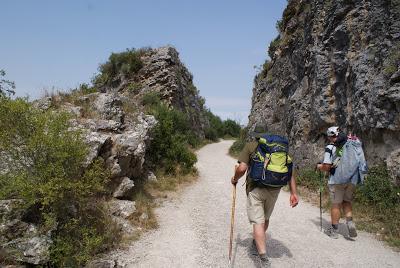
pixel 248 149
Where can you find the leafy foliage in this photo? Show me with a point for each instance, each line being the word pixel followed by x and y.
pixel 41 163
pixel 169 149
pixel 378 190
pixel 219 128
pixel 124 64
pixel 239 144
pixel 6 87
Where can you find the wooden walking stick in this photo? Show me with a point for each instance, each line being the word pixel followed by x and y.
pixel 232 219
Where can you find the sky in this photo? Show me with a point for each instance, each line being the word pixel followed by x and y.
pixel 57 45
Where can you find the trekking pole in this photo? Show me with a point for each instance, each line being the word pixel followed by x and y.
pixel 321 181
pixel 232 220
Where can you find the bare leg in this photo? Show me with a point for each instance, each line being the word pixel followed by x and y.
pixel 347 208
pixel 260 237
pixel 335 213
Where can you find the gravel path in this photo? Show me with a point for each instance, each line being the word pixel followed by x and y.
pixel 194 229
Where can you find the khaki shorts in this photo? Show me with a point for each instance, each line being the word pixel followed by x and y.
pixel 260 204
pixel 341 192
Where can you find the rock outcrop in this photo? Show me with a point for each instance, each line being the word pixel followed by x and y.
pixel 334 63
pixel 117 130
pixel 20 239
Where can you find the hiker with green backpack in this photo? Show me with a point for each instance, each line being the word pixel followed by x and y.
pixel 345 162
pixel 268 167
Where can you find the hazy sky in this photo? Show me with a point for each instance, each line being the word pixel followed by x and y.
pixel 52 44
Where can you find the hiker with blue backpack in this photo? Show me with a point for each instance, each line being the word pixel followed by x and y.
pixel 269 167
pixel 345 162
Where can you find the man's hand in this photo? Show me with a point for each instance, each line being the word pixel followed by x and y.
pixel 233 181
pixel 294 200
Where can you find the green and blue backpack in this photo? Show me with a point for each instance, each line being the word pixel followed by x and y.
pixel 270 164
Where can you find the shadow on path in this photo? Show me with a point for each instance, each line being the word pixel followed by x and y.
pixel 275 249
pixel 326 224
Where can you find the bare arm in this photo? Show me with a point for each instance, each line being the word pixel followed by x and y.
pixel 294 199
pixel 240 170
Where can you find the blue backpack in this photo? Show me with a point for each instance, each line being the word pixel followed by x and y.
pixel 270 163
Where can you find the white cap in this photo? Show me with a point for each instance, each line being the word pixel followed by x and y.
pixel 332 131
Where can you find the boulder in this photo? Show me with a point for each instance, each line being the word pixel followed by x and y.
pixel 125 189
pixel 122 208
pixel 109 107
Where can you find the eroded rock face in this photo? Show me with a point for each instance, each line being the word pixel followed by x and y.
pixel 332 66
pixel 21 240
pixel 163 72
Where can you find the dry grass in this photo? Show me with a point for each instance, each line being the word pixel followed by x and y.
pixel 151 195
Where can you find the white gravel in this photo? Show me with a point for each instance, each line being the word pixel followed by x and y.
pixel 194 229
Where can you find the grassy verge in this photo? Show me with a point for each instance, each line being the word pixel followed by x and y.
pixel 376 205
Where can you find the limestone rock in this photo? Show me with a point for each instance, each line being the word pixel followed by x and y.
pixel 393 165
pixel 42 104
pixel 21 240
pixel 331 70
pixel 122 208
pixel 108 105
pixel 125 189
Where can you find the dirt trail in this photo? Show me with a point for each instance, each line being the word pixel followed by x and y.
pixel 194 229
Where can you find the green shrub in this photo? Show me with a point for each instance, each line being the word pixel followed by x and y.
pixel 169 148
pixel 393 62
pixel 125 64
pixel 273 46
pixel 311 179
pixel 378 191
pixel 211 134
pixel 85 89
pixel 239 144
pixel 41 162
pixel 219 128
pixel 151 99
pixel 216 126
pixel 231 128
pixel 134 87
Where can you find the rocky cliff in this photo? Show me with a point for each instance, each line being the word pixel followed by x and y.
pixel 117 129
pixel 334 63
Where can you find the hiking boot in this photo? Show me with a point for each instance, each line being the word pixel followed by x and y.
pixel 264 262
pixel 332 232
pixel 352 229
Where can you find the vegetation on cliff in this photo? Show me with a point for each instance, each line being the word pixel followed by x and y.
pixel 41 163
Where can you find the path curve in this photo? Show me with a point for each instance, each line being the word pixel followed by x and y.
pixel 194 229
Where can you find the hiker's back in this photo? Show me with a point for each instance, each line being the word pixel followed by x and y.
pixel 352 166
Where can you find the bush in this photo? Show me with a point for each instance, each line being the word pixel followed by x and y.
pixel 273 46
pixel 231 128
pixel 311 179
pixel 378 190
pixel 239 144
pixel 169 148
pixel 219 128
pixel 392 62
pixel 41 162
pixel 151 99
pixel 125 64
